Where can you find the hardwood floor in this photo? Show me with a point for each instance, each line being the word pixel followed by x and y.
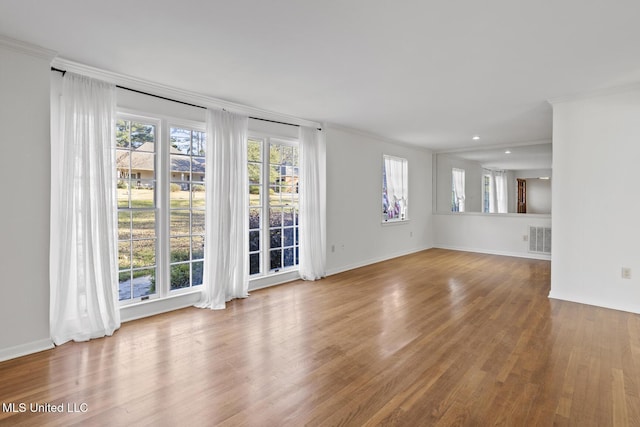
pixel 437 338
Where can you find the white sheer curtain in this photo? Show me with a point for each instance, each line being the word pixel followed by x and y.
pixel 312 204
pixel 397 178
pixel 83 241
pixel 225 251
pixel 498 193
pixel 457 176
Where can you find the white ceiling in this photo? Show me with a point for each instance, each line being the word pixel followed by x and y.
pixel 432 73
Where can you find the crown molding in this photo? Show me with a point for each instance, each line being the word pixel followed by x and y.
pixel 495 146
pixel 175 93
pixel 27 48
pixel 376 137
pixel 595 93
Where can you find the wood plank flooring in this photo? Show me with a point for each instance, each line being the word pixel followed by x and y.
pixel 436 338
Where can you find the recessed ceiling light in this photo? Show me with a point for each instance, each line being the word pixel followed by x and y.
pixel 475 138
pixel 507 152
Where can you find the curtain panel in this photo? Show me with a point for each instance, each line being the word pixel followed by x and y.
pixel 312 204
pixel 83 241
pixel 225 275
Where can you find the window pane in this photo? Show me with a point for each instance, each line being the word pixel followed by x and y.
pixel 199 140
pixel 254 240
pixel 198 196
pixel 275 217
pixel 144 224
pixel 180 167
pixel 180 248
pixel 178 198
pixel 254 150
pixel 180 276
pixel 254 263
pixel 142 195
pixel 179 222
pixel 124 255
pixel 276 259
pixel 276 238
pixel 254 219
pixel 123 138
pixel 288 257
pixel 144 253
pixel 197 247
pixel 288 237
pixel 255 173
pixel 124 225
pixel 180 140
pixel 143 164
pixel 254 195
pixel 197 169
pixel 197 269
pixel 124 285
pixel 197 222
pixel 141 133
pixel 274 154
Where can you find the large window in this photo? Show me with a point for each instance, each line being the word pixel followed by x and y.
pixel 161 193
pixel 273 205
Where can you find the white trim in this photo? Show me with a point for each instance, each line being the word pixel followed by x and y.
pixel 273 279
pixel 157 306
pixel 376 137
pixel 592 302
pixel 492 147
pixel 595 93
pixel 27 48
pixel 25 349
pixel 376 260
pixel 491 252
pixel 497 215
pixel 177 94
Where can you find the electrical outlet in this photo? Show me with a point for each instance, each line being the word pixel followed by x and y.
pixel 626 273
pixel 525 238
pixel 333 248
pixel 411 234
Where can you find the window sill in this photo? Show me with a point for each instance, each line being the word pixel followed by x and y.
pixel 147 308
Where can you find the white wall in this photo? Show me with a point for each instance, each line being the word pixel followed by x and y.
pixel 538 196
pixel 24 217
pixel 596 149
pixel 354 201
pixel 500 234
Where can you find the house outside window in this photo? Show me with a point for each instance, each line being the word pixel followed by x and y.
pixel 161 193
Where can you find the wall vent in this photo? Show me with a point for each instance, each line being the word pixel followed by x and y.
pixel 540 240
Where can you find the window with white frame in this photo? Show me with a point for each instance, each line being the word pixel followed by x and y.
pixel 395 189
pixel 457 190
pixel 136 143
pixel 160 172
pixel 273 170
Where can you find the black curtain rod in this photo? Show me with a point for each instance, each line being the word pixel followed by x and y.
pixel 181 102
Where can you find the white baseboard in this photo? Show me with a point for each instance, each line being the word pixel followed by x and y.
pixel 151 308
pixel 25 349
pixel 587 301
pixel 491 252
pixel 374 260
